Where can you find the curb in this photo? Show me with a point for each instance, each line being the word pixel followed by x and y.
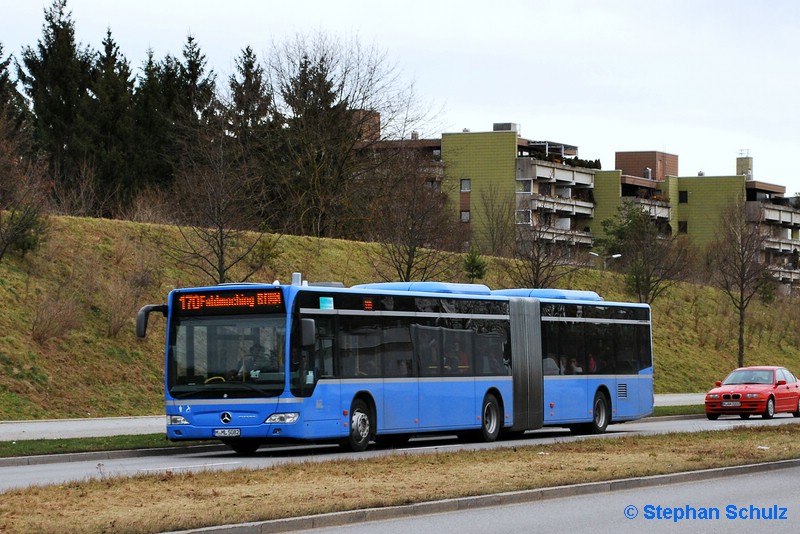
pixel 44 459
pixel 337 519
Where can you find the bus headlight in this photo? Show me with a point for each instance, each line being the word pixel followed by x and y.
pixel 284 418
pixel 176 420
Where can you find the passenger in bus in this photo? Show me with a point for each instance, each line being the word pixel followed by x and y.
pixel 457 360
pixel 575 368
pixel 247 359
pixel 368 367
pixel 256 359
pixel 549 365
pixel 403 368
pixel 430 360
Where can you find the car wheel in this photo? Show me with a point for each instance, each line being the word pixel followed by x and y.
pixel 744 415
pixel 796 413
pixel 769 412
pixel 712 416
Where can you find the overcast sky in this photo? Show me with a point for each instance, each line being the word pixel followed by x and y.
pixel 703 79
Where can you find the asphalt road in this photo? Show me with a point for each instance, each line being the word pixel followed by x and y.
pixel 709 504
pixel 118 426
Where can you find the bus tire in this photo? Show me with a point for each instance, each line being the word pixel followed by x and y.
pixel 490 419
pixel 243 447
pixel 362 427
pixel 600 414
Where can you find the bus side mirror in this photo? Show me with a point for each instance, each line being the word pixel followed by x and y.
pixel 308 332
pixel 144 313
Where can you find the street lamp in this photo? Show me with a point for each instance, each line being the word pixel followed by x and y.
pixel 606 258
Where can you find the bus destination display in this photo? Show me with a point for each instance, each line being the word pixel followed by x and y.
pixel 228 302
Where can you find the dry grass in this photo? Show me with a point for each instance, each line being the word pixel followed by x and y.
pixel 179 501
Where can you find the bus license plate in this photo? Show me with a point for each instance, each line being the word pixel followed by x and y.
pixel 227 432
pixel 730 404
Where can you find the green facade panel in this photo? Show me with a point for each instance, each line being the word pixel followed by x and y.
pixel 485 158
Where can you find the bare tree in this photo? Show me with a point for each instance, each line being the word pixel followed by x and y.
pixel 333 101
pixel 498 220
pixel 735 261
pixel 218 193
pixel 542 257
pixel 417 234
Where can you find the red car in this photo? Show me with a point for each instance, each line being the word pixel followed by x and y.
pixel 762 390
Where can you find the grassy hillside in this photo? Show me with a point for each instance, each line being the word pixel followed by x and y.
pixel 67 346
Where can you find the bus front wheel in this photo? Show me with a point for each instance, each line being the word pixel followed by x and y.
pixel 490 419
pixel 361 427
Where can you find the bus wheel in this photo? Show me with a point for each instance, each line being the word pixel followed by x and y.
pixel 361 427
pixel 243 447
pixel 599 414
pixel 490 419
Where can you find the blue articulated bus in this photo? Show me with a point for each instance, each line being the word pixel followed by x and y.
pixel 250 364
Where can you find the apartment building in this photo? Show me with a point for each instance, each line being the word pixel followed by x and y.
pixel 508 185
pixel 692 205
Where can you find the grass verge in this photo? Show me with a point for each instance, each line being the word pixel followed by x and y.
pixel 174 501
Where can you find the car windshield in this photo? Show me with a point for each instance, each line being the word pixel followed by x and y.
pixel 749 376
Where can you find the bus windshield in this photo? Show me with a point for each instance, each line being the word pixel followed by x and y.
pixel 223 357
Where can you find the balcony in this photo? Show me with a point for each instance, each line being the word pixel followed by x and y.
pixel 545 171
pixel 658 209
pixel 786 275
pixel 782 245
pixel 786 216
pixel 559 205
pixel 551 233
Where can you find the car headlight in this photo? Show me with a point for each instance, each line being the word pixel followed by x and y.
pixel 752 396
pixel 713 396
pixel 176 420
pixel 284 418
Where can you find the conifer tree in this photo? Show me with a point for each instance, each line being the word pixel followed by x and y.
pixel 56 75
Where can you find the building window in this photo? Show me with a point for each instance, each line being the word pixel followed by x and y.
pixel 523 217
pixel 683 227
pixel 524 186
pixel 465 216
pixel 466 185
pixel 683 197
